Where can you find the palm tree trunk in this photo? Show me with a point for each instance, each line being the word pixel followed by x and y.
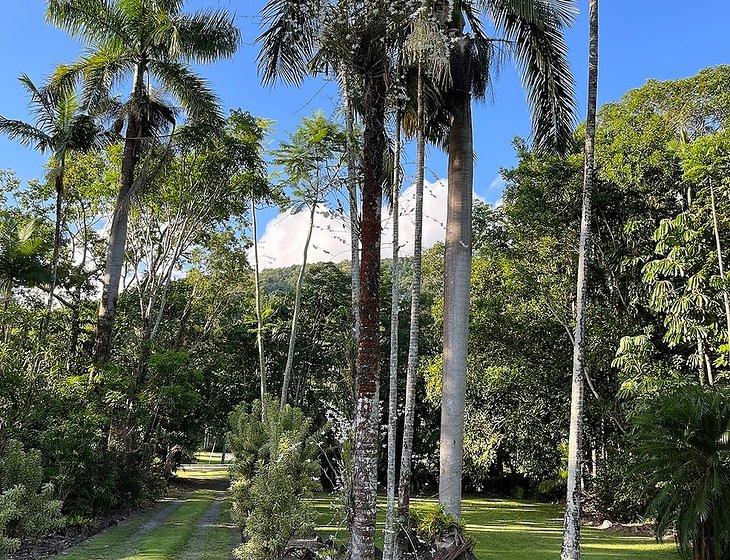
pixel 393 378
pixel 571 529
pixel 257 296
pixel 365 456
pixel 354 213
pixel 404 483
pixel 295 314
pixel 117 245
pixel 56 235
pixel 457 261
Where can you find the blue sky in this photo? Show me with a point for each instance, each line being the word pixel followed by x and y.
pixel 640 40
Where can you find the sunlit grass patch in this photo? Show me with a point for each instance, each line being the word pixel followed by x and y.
pixel 515 530
pixel 204 472
pixel 212 458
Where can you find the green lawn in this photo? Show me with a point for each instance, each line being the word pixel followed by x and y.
pixel 195 526
pixel 521 530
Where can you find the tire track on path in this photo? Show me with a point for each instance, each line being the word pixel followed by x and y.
pixel 122 540
pixel 213 537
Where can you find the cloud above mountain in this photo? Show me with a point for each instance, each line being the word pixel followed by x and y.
pixel 283 240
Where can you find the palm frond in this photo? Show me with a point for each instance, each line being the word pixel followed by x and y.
pixel 26 134
pixel 92 21
pixel 486 57
pixel 428 44
pixel 99 72
pixel 541 53
pixel 206 36
pixel 560 13
pixel 41 102
pixel 289 41
pixel 192 91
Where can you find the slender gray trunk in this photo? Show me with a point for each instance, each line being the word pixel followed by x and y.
pixel 352 184
pixel 257 297
pixel 118 231
pixel 457 261
pixel 718 246
pixel 56 234
pixel 404 482
pixel 571 529
pixel 295 314
pixel 393 379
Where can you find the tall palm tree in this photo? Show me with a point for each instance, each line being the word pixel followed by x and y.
pixel 532 33
pixel 571 528
pixel 141 40
pixel 427 50
pixel 394 345
pixel 61 125
pixel 301 35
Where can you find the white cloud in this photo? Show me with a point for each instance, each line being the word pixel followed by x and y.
pixel 283 240
pixel 497 185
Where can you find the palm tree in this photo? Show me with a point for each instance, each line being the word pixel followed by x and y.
pixel 393 362
pixel 532 31
pixel 141 40
pixel 571 528
pixel 428 51
pixel 305 34
pixel 61 126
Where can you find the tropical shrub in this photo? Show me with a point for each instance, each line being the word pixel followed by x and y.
pixel 275 471
pixel 27 505
pixel 682 449
pixel 432 533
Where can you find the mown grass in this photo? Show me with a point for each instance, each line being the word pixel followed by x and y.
pixel 518 530
pixel 203 472
pixel 178 536
pixel 167 541
pixel 212 458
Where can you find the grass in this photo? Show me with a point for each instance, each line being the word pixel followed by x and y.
pixel 168 541
pixel 179 533
pixel 212 458
pixel 205 472
pixel 519 530
pixel 501 529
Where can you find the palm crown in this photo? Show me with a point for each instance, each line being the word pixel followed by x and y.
pixel 529 31
pixel 146 38
pixel 60 124
pixel 305 35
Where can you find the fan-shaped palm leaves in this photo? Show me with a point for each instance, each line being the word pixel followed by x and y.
pixel 61 125
pixel 682 448
pixel 140 40
pixel 21 249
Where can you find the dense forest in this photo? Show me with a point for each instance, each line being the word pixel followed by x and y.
pixel 138 326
